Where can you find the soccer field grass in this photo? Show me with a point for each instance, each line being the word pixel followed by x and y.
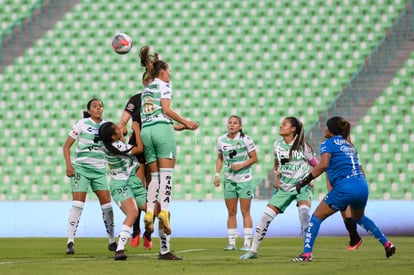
pixel 204 256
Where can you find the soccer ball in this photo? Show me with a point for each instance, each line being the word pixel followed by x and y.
pixel 121 43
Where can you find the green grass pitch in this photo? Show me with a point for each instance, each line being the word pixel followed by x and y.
pixel 204 256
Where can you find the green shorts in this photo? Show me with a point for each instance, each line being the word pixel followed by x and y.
pixel 138 189
pixel 282 199
pixel 131 188
pixel 242 190
pixel 159 142
pixel 81 182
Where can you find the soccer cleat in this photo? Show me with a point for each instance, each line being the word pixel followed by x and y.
pixel 245 248
pixel 230 247
pixel 389 249
pixel 149 221
pixel 355 246
pixel 168 256
pixel 120 256
pixel 163 217
pixel 147 241
pixel 112 246
pixel 70 248
pixel 304 257
pixel 249 255
pixel 135 240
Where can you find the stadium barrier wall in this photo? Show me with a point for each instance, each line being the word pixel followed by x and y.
pixel 189 219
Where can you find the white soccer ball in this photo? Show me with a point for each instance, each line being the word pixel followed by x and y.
pixel 121 43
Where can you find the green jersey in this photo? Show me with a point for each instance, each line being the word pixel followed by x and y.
pixel 235 151
pixel 121 166
pixel 89 154
pixel 151 110
pixel 291 170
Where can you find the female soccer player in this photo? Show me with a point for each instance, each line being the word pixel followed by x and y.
pixel 88 169
pixel 238 153
pixel 126 188
pixel 293 158
pixel 339 159
pixel 132 109
pixel 157 134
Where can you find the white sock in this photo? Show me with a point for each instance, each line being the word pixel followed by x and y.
pixel 262 227
pixel 124 234
pixel 108 218
pixel 248 232
pixel 73 220
pixel 231 233
pixel 153 192
pixel 165 187
pixel 304 217
pixel 164 242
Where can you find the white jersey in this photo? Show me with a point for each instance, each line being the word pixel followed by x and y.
pixel 235 151
pixel 291 170
pixel 151 110
pixel 121 166
pixel 89 152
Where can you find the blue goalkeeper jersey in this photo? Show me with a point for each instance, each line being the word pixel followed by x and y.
pixel 344 162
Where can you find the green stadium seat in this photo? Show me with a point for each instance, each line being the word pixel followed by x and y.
pixel 218 69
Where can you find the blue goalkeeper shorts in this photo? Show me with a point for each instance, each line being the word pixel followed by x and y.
pixel 352 191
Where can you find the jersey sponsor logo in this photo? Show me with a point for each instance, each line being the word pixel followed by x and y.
pixel 283 156
pixel 348 150
pixel 130 107
pixel 148 105
pixel 293 168
pixel 340 141
pixel 149 118
pixel 147 92
pixel 96 139
pixel 154 86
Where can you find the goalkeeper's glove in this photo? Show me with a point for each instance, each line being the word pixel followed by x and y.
pixel 304 182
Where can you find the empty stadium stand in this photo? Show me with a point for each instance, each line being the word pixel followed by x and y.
pixel 262 60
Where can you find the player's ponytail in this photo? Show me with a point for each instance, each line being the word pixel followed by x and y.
pixel 299 142
pixel 146 60
pixel 346 133
pixel 146 78
pixel 152 63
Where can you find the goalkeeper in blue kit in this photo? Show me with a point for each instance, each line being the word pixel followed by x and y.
pixel 340 161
